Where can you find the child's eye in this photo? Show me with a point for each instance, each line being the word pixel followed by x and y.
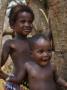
pixel 41 51
pixel 22 21
pixel 30 21
pixel 49 50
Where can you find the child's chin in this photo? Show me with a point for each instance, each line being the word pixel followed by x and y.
pixel 44 63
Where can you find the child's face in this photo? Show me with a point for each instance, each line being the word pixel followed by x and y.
pixel 42 52
pixel 23 24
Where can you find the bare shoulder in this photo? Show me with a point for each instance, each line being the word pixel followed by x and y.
pixel 8 43
pixel 29 64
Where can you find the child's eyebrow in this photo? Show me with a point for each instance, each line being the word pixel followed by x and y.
pixel 39 49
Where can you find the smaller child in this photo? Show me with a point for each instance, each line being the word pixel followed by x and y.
pixel 41 73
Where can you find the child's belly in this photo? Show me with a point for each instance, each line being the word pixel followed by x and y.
pixel 38 85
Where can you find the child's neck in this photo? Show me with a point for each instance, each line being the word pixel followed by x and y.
pixel 20 37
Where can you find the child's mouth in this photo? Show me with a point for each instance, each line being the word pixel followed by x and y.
pixel 27 30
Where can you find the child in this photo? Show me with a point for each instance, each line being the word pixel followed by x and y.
pixel 20 19
pixel 40 72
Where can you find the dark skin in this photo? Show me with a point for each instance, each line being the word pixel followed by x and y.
pixel 18 48
pixel 40 72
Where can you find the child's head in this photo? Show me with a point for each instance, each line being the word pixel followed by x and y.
pixel 21 18
pixel 41 49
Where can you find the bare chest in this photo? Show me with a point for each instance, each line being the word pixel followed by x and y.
pixel 20 48
pixel 38 73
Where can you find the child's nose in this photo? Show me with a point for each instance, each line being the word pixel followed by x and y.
pixel 45 54
pixel 26 24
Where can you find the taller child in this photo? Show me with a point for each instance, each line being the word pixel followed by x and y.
pixel 20 19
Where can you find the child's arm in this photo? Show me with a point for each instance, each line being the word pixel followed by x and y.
pixel 4 56
pixel 58 79
pixel 62 82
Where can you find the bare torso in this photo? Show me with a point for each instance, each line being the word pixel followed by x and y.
pixel 20 53
pixel 40 78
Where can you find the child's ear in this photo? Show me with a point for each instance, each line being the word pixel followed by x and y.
pixel 12 26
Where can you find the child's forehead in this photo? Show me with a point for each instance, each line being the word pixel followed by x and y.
pixel 24 15
pixel 42 40
pixel 41 43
